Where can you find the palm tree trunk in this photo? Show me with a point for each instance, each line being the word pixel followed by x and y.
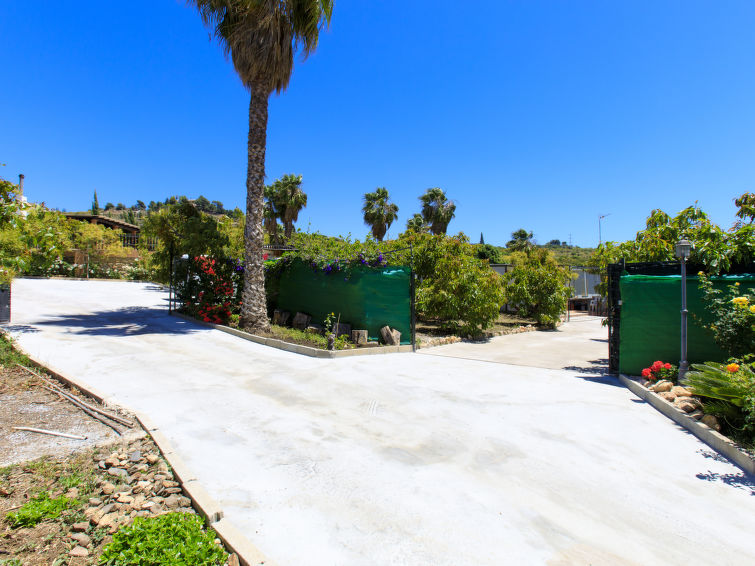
pixel 253 305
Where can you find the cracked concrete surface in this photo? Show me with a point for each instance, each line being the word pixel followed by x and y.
pixel 411 459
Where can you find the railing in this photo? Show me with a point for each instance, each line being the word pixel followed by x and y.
pixel 133 241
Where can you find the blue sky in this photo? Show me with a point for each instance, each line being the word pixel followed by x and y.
pixel 534 114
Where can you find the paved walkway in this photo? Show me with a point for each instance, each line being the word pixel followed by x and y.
pixel 581 345
pixel 405 459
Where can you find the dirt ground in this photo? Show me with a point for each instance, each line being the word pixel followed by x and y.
pixel 505 324
pixel 100 483
pixel 25 403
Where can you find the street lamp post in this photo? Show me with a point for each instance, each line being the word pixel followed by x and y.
pixel 683 249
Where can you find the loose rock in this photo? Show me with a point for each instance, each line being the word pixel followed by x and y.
pixel 78 552
pixel 82 538
pixel 711 421
pixel 662 386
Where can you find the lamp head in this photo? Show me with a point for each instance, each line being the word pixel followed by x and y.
pixel 682 249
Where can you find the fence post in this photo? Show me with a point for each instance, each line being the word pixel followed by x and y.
pixel 413 290
pixel 170 279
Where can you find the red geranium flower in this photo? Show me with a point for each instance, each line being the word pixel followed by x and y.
pixel 657 365
pixel 646 372
pixel 667 366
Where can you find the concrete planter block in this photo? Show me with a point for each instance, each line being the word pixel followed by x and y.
pixel 359 337
pixel 301 321
pixel 342 329
pixel 390 337
pixel 281 317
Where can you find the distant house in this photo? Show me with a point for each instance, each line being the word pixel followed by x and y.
pixel 105 221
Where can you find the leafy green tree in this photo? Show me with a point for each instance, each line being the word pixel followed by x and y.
pixel 538 287
pixel 262 39
pixel 437 210
pixel 488 252
pixel 455 287
pixel 713 247
pixel 140 205
pixel 378 212
pixel 203 204
pixel 109 206
pixel 181 229
pixel 95 204
pixel 746 205
pixel 520 240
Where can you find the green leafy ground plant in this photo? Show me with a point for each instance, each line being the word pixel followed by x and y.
pixel 39 508
pixel 174 539
pixel 728 392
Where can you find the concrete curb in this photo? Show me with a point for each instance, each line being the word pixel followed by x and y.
pixel 712 438
pixel 206 506
pixel 296 348
pixel 249 555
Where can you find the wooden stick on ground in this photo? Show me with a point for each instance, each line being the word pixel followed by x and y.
pixel 93 412
pixel 71 397
pixel 51 432
pixel 89 412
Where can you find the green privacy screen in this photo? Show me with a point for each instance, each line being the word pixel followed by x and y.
pixel 651 321
pixel 365 297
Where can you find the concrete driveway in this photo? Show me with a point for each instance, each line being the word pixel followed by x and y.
pixel 579 345
pixel 407 459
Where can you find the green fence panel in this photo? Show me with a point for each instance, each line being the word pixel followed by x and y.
pixel 365 297
pixel 650 323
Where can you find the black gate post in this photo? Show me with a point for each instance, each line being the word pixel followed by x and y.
pixel 413 291
pixel 170 279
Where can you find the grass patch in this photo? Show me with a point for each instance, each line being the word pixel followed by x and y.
pixel 304 338
pixel 9 356
pixel 175 539
pixel 39 508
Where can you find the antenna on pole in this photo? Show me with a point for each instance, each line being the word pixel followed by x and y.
pixel 600 234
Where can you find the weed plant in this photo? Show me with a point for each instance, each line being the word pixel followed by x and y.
pixel 174 539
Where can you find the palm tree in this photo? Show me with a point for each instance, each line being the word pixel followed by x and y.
pixel 378 213
pixel 288 199
pixel 416 224
pixel 270 215
pixel 521 240
pixel 262 37
pixel 437 210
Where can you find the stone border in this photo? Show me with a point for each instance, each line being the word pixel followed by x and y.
pixel 205 505
pixel 712 438
pixel 297 348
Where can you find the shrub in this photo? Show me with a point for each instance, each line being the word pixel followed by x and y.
pixel 733 311
pixel 455 286
pixel 208 288
pixel 659 370
pixel 537 286
pixel 728 392
pixel 174 539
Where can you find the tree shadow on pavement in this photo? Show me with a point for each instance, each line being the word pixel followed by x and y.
pixel 741 480
pixel 597 372
pixel 128 321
